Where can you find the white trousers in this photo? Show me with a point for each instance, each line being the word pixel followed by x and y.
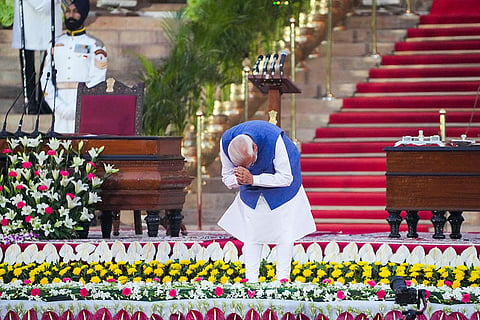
pixel 253 253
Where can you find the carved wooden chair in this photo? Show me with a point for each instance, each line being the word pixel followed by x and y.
pixel 110 108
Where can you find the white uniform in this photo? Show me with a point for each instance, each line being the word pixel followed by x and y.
pixel 37 24
pixel 254 227
pixel 79 58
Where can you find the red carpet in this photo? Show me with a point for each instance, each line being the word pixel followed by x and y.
pixel 338 178
pixel 425 73
pixel 442 86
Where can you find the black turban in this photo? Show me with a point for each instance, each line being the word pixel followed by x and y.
pixel 83 7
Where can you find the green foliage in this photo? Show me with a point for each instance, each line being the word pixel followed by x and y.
pixel 6 12
pixel 209 41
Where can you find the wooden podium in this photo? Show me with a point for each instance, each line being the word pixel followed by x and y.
pixel 274 87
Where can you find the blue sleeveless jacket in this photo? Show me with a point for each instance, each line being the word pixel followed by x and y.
pixel 265 136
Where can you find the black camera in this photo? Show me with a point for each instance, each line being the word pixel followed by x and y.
pixel 404 295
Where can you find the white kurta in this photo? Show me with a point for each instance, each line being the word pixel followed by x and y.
pixel 80 58
pixel 37 24
pixel 287 223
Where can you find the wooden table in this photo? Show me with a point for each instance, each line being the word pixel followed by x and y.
pixel 436 179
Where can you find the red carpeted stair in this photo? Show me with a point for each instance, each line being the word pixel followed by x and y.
pixel 436 67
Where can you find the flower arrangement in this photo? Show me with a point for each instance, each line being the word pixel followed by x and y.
pixel 182 279
pixel 48 189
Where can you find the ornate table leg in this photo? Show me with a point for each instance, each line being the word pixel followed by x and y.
pixel 116 222
pixel 455 220
pixel 438 221
pixel 137 221
pixel 175 219
pixel 394 219
pixel 106 223
pixel 153 221
pixel 412 218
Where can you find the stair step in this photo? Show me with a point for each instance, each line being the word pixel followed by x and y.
pixel 334 147
pixel 357 199
pixel 310 182
pixel 415 102
pixel 418 87
pixel 401 117
pixel 430 59
pixel 343 164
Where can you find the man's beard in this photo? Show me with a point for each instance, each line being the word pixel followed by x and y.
pixel 72 24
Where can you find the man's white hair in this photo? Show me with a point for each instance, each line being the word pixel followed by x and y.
pixel 240 148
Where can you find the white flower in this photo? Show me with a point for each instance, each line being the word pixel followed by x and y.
pixel 66 144
pixel 85 215
pixel 94 152
pixel 24 141
pixel 77 162
pixel 41 157
pixel 13 143
pixel 109 169
pixel 72 203
pixel 53 143
pixel 79 186
pixel 93 197
pixel 59 157
pixel 96 181
pixel 65 181
pixel 27 210
pixel 34 142
pixel 55 174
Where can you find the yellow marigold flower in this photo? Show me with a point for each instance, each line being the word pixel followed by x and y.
pixel 44 281
pixel 56 280
pixel 137 279
pixel 131 270
pixel 384 281
pixel 214 272
pixel 17 272
pixel 224 279
pixel 230 271
pixel 148 270
pixel 336 273
pixel 81 280
pixel 474 285
pixel 414 281
pixel 262 279
pixel 237 279
pixel 350 274
pixel 385 273
pixel 64 271
pixel 95 279
pixel 444 274
pixel 341 280
pixel 184 262
pixel 462 267
pixel 417 267
pixel 90 271
pixel 183 279
pixel 271 273
pixel 459 276
pixel 307 273
pixel 117 272
pixel 414 274
pixel 2 272
pixel 137 262
pixel 426 282
pixel 174 272
pixel 456 284
pixel 295 271
pixel 103 273
pixel 122 279
pixel 212 279
pixel 315 280
pixel 321 273
pixel 176 266
pixel 428 274
pixel 97 267
pixel 122 262
pixel 158 272
pixel 440 283
pixel 300 279
pixel 77 271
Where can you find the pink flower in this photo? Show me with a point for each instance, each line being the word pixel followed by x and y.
pixel 35 292
pixel 66 280
pixel 408 283
pixel 51 152
pixel 371 283
pixel 244 280
pixel 4 222
pixel 1 188
pixel 172 293
pixel 218 291
pixel 12 174
pixel 19 187
pixel 70 195
pixel 284 280
pixel 42 187
pixel 326 281
pixel 448 283
pixel 26 164
pixel 111 280
pixel 90 176
pixel 198 279
pixel 126 291
pixel 340 295
pixel 84 292
pixel 20 204
pixel 156 279
pixel 427 294
pixel 381 294
pixel 6 151
pixel 251 293
pixel 27 281
pixel 48 210
pixel 465 298
pixel 64 173
pixel 92 164
pixel 37 173
pixel 28 219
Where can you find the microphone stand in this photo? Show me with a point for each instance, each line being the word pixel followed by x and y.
pixel 19 132
pixel 35 131
pixel 51 132
pixel 22 52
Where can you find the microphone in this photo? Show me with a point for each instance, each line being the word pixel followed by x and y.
pixel 19 132
pixel 265 64
pixel 257 63
pixel 283 55
pixel 272 66
pixel 35 131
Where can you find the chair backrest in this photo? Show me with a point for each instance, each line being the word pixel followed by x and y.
pixel 110 108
